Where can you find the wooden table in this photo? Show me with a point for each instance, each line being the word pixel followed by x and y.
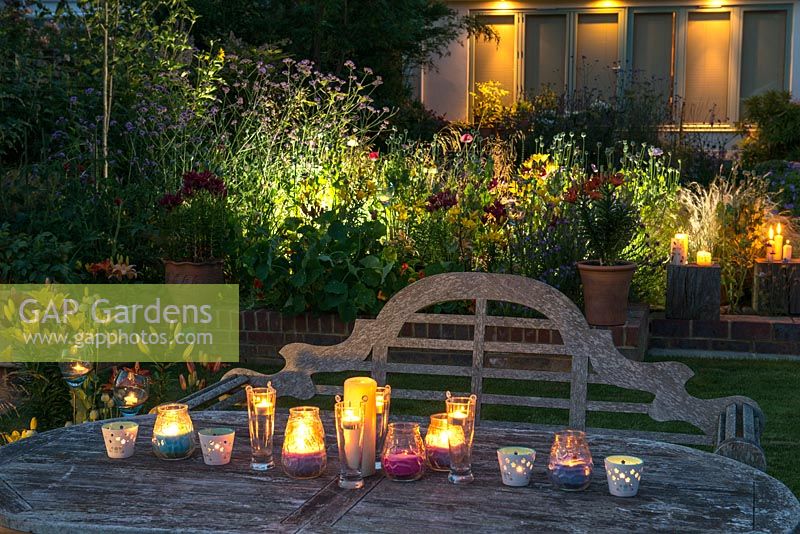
pixel 62 481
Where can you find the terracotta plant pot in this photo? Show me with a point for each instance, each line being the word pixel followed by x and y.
pixel 605 291
pixel 187 272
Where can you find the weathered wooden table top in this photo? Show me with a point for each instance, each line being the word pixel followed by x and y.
pixel 62 481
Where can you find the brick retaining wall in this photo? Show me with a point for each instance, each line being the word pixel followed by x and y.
pixel 732 335
pixel 264 332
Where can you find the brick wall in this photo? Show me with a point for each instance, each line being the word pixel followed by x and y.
pixel 743 335
pixel 264 332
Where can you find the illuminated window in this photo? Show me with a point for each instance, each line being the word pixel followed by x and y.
pixel 763 52
pixel 654 51
pixel 545 53
pixel 707 65
pixel 494 61
pixel 597 54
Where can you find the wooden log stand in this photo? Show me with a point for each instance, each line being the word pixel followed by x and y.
pixel 693 291
pixel 776 287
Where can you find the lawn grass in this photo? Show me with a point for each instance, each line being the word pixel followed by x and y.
pixel 773 384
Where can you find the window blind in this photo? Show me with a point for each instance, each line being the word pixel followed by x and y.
pixel 653 51
pixel 545 53
pixel 494 61
pixel 763 52
pixel 597 54
pixel 707 56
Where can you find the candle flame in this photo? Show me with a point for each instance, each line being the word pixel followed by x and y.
pixel 131 399
pixel 779 228
pixel 771 233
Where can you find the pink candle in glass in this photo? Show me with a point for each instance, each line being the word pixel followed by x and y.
pixel 403 466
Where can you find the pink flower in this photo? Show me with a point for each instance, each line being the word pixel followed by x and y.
pixel 466 138
pixel 373 156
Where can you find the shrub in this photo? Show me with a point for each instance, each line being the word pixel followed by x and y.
pixel 777 133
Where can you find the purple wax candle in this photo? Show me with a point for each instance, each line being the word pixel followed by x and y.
pixel 403 466
pixel 438 457
pixel 571 477
pixel 304 465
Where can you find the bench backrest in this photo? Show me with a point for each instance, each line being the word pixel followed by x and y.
pixel 594 358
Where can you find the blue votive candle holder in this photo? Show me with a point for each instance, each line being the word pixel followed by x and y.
pixel 173 432
pixel 570 466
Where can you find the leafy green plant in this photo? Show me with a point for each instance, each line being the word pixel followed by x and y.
pixel 777 128
pixel 196 225
pixel 607 219
pixel 33 259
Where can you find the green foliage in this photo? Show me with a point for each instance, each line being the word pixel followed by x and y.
pixel 777 122
pixel 608 220
pixel 46 394
pixel 33 259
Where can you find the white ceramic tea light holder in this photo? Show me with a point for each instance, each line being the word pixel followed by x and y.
pixel 624 474
pixel 216 444
pixel 516 465
pixel 120 438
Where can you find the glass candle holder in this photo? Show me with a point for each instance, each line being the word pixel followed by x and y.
pixel 303 454
pixel 131 391
pixel 383 402
pixel 75 372
pixel 216 444
pixel 120 438
pixel 624 474
pixel 570 467
pixel 437 444
pixel 173 432
pixel 261 419
pixel 460 432
pixel 350 441
pixel 403 455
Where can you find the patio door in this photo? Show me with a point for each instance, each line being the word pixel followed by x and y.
pixel 545 54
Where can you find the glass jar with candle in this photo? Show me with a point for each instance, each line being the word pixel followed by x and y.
pixel 460 432
pixel 437 446
pixel 173 432
pixel 403 455
pixel 261 420
pixel 383 401
pixel 131 391
pixel 349 438
pixel 303 454
pixel 75 372
pixel 570 467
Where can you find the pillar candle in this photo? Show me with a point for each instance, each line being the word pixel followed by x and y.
pixel 355 390
pixel 683 241
pixel 778 244
pixel 703 258
pixel 787 252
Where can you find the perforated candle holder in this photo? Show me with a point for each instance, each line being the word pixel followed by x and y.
pixel 624 474
pixel 120 438
pixel 516 465
pixel 216 444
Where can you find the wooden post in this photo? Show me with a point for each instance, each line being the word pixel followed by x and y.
pixel 776 287
pixel 693 292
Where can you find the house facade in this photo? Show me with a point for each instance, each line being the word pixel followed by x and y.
pixel 704 57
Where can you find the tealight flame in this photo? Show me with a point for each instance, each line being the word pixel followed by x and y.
pixel 771 233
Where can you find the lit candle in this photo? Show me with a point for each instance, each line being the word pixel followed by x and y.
pixel 682 241
pixel 79 369
pixel 363 389
pixel 303 456
pixel 437 443
pixel 379 402
pixel 703 258
pixel 778 244
pixel 787 252
pixel 771 244
pixel 351 424
pixel 403 465
pixel 131 399
pixel 173 432
pixel 264 406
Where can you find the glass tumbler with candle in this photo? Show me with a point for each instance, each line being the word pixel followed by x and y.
pixel 173 432
pixel 403 454
pixel 437 445
pixel 131 391
pixel 460 432
pixel 349 438
pixel 570 467
pixel 383 401
pixel 261 420
pixel 303 454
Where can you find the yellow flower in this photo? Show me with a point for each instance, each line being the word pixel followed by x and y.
pixel 221 54
pixel 540 158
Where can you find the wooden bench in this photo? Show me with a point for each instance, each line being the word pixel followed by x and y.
pixel 732 425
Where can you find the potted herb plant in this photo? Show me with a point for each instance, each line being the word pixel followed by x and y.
pixel 607 222
pixel 196 229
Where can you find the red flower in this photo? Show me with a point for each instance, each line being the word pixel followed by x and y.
pixel 421 275
pixel 571 195
pixel 101 267
pixel 257 283
pixel 617 180
pixel 403 268
pixel 117 201
pixel 466 138
pixel 595 195
pixel 442 199
pixel 171 200
pixel 373 156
